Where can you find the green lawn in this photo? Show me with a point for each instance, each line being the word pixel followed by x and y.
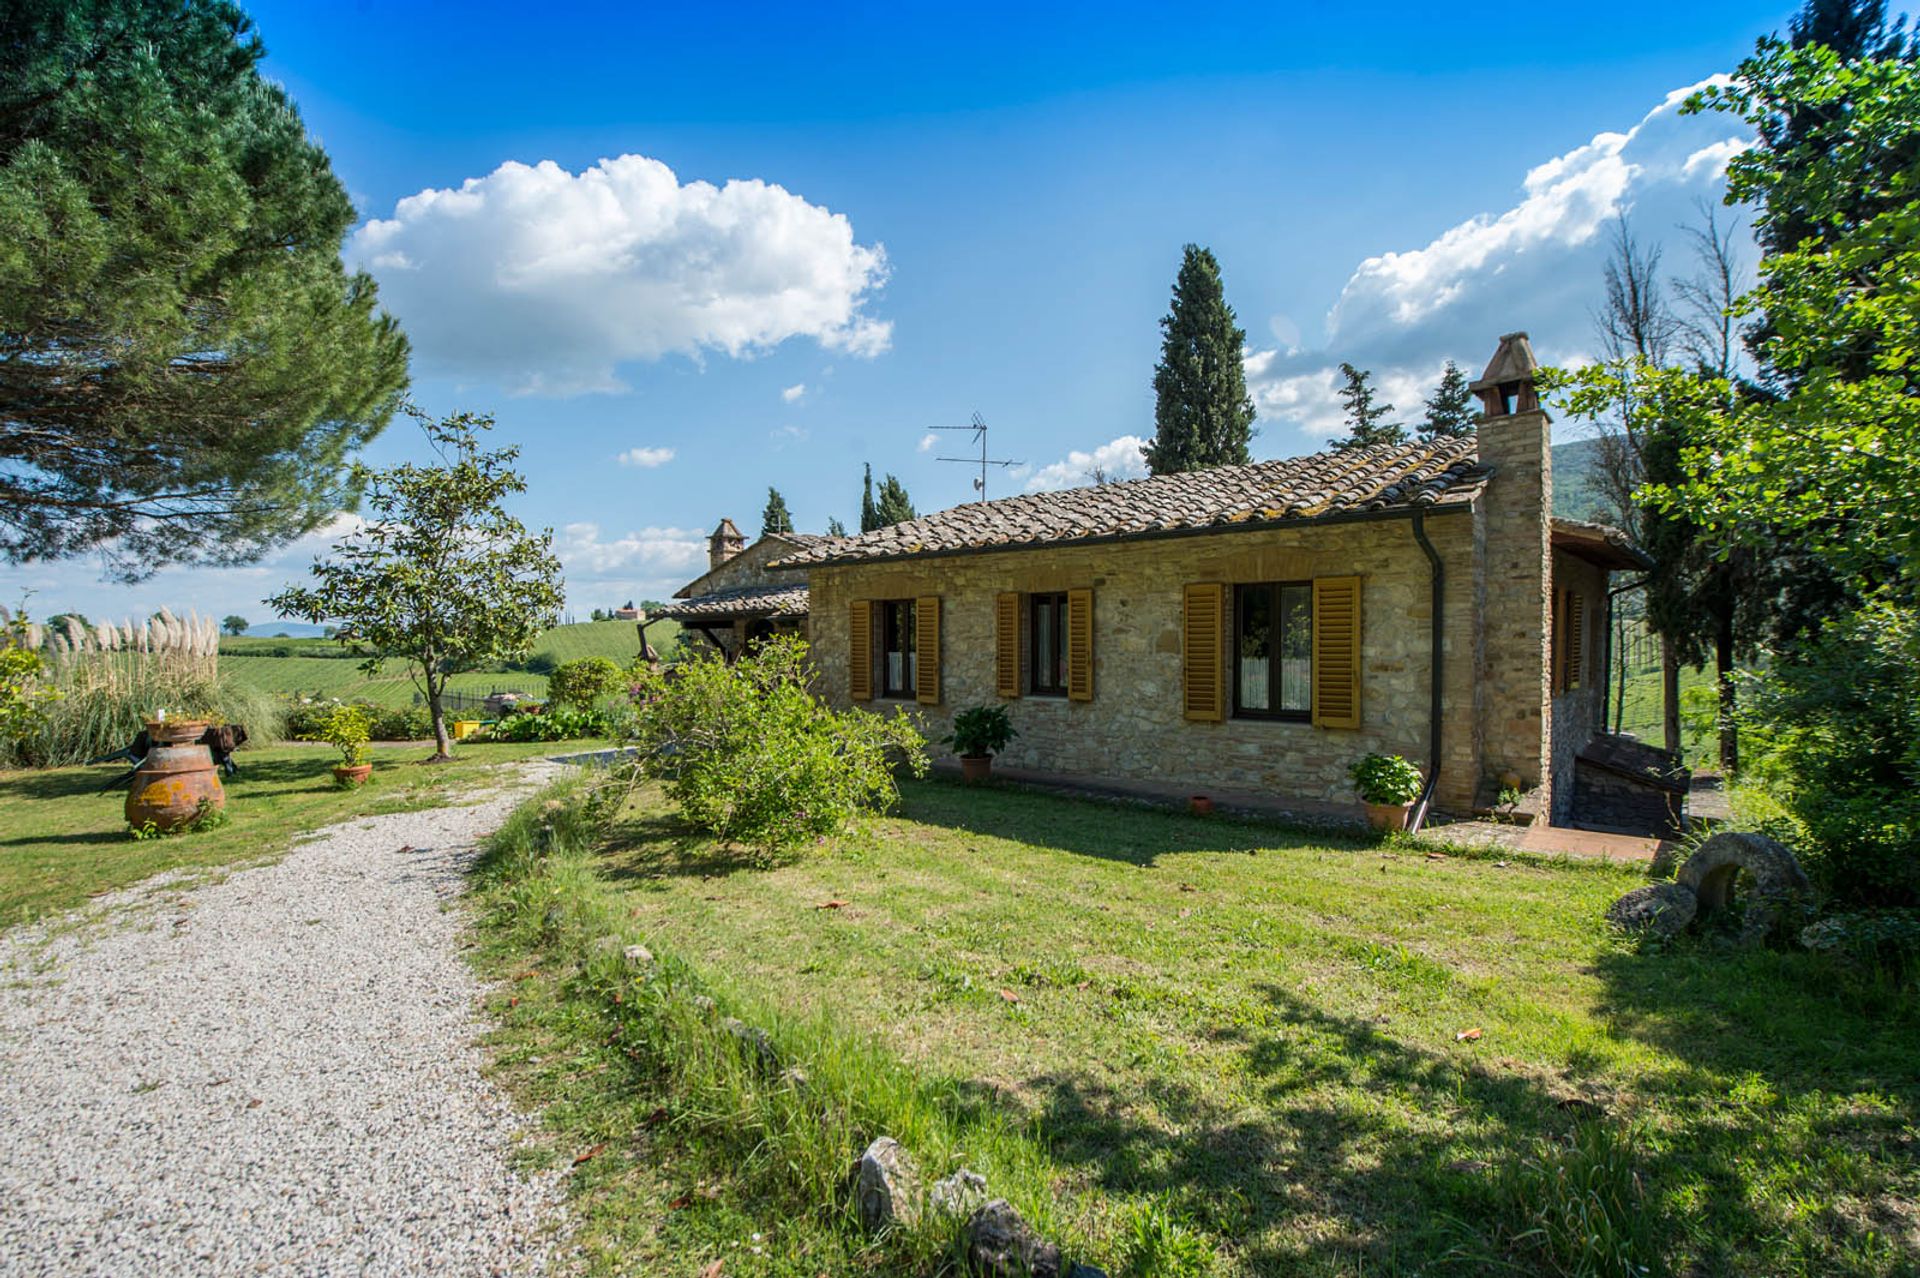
pixel 308 671
pixel 1327 1057
pixel 65 838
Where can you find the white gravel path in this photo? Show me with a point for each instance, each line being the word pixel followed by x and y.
pixel 277 1073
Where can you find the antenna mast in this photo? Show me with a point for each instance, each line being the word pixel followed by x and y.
pixel 979 428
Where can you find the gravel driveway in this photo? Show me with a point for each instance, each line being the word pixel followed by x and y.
pixel 272 1074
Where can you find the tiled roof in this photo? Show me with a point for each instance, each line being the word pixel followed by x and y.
pixel 1384 477
pixel 742 601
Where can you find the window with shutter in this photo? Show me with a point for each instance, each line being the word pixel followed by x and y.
pixel 1006 644
pixel 1047 644
pixel 860 650
pixel 1336 652
pixel 1080 645
pixel 1202 641
pixel 926 677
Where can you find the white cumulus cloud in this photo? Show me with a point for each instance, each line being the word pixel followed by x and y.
pixel 793 394
pixel 548 280
pixel 1116 459
pixel 927 441
pixel 1535 266
pixel 646 458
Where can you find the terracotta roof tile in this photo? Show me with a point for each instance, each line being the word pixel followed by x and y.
pixel 742 601
pixel 1384 477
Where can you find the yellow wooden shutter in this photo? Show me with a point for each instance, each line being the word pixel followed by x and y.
pixel 926 645
pixel 1557 649
pixel 860 650
pixel 1576 638
pixel 1006 644
pixel 1205 688
pixel 1336 652
pixel 1080 645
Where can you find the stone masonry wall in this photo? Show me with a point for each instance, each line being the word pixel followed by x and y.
pixel 1134 728
pixel 749 568
pixel 1516 591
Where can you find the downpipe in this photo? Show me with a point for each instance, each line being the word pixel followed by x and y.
pixel 1436 669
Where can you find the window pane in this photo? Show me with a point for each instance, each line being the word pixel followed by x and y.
pixel 1043 622
pixel 1296 647
pixel 1254 644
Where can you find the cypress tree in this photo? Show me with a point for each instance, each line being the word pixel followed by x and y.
pixel 1202 415
pixel 1450 413
pixel 869 513
pixel 894 506
pixel 775 518
pixel 1367 422
pixel 834 527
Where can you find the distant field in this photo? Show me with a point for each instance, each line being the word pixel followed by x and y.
pixel 316 667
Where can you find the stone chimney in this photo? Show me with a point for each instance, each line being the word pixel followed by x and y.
pixel 1516 590
pixel 725 543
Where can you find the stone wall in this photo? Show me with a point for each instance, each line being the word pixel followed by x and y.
pixel 1134 728
pixel 748 568
pixel 1515 590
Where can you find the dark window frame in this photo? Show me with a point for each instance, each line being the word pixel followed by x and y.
pixel 1036 662
pixel 1275 680
pixel 883 611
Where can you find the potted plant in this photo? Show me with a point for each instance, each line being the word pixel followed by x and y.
pixel 978 734
pixel 348 728
pixel 164 731
pixel 1388 785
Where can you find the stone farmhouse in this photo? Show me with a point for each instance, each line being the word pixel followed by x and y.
pixel 738 600
pixel 1246 630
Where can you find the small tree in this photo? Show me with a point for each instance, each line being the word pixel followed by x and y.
pixel 1450 413
pixel 441 577
pixel 1202 415
pixel 1367 422
pixel 894 507
pixel 580 684
pixel 775 518
pixel 234 624
pixel 835 528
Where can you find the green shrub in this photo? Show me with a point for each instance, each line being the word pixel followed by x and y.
pixel 552 723
pixel 751 755
pixel 1886 940
pixel 1386 778
pixel 582 683
pixel 980 730
pixel 306 719
pixel 1840 721
pixel 347 729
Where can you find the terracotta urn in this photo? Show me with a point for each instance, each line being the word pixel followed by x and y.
pixel 353 773
pixel 975 768
pixel 1387 816
pixel 1200 805
pixel 176 783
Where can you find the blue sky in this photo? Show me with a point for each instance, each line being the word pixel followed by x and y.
pixel 914 214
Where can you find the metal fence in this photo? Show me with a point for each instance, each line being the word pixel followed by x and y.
pixel 464 702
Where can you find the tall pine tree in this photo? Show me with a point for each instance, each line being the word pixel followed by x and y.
pixel 869 513
pixel 894 506
pixel 775 519
pixel 1202 415
pixel 1367 422
pixel 1450 413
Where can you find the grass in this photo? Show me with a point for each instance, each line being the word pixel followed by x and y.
pixel 1245 1051
pixel 315 667
pixel 63 837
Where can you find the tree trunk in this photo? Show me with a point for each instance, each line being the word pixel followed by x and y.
pixel 1723 668
pixel 442 747
pixel 1670 696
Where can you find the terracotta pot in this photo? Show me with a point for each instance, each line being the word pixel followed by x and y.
pixel 1200 805
pixel 174 784
pixel 975 768
pixel 1387 816
pixel 176 731
pixel 353 774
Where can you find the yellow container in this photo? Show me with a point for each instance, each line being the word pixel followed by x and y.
pixel 464 728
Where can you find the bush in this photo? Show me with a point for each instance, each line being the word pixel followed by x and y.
pixel 348 729
pixel 1840 722
pixel 581 683
pixel 1386 778
pixel 554 723
pixel 1887 940
pixel 751 755
pixel 306 719
pixel 980 730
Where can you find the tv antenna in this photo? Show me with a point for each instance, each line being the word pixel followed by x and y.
pixel 979 428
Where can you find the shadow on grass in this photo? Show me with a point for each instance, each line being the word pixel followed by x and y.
pixel 658 844
pixel 1111 829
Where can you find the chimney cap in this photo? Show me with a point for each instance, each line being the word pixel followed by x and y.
pixel 726 532
pixel 1512 362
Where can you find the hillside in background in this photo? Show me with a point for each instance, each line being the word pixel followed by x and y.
pixel 1576 492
